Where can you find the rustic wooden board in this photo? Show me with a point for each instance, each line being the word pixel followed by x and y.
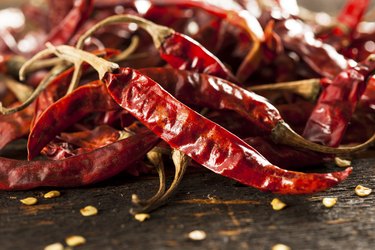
pixel 233 216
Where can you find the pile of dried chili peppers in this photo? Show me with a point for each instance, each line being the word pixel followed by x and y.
pixel 257 91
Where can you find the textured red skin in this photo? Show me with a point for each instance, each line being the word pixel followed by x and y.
pixel 67 111
pixel 206 142
pixel 83 169
pixel 184 53
pixel 15 125
pixel 322 58
pixel 337 102
pixel 207 91
pixel 72 21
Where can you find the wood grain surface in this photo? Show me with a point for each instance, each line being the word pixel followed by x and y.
pixel 232 215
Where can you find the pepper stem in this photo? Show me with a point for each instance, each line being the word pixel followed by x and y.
pixel 181 162
pixel 283 134
pixel 55 71
pixel 308 89
pixel 78 66
pixel 77 56
pixel 156 159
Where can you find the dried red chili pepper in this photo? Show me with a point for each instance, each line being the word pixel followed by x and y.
pixel 72 21
pixel 65 112
pixel 79 170
pixel 347 21
pixel 204 141
pixel 337 102
pixel 179 50
pixel 212 92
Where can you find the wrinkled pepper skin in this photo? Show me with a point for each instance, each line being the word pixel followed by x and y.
pixel 79 170
pixel 216 93
pixel 337 102
pixel 206 142
pixel 67 111
pixel 184 53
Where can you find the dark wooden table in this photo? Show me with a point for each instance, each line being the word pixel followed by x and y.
pixel 233 216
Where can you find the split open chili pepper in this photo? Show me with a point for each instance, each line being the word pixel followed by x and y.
pixel 65 112
pixel 337 102
pixel 79 170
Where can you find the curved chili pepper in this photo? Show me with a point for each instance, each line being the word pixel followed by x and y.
pixel 72 21
pixel 341 35
pixel 83 169
pixel 179 50
pixel 234 14
pixel 68 110
pixel 299 37
pixel 331 115
pixel 212 92
pixel 204 141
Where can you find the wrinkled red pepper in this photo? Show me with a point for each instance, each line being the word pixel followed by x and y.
pixel 336 104
pixel 79 170
pixel 200 138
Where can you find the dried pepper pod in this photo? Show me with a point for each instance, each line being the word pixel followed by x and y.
pixel 204 141
pixel 79 170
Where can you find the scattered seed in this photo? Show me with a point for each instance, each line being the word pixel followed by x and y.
pixel 277 204
pixel 197 235
pixel 55 246
pixel 280 247
pixel 362 191
pixel 29 201
pixel 329 202
pixel 75 240
pixel 52 194
pixel 142 217
pixel 89 211
pixel 342 163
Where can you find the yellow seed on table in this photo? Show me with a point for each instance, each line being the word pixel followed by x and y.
pixel 54 246
pixel 329 202
pixel 277 204
pixel 362 191
pixel 89 211
pixel 142 217
pixel 75 240
pixel 52 194
pixel 197 235
pixel 29 201
pixel 342 163
pixel 280 247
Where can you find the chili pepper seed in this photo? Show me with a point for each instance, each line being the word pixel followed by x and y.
pixel 55 246
pixel 197 235
pixel 29 201
pixel 362 191
pixel 89 211
pixel 75 240
pixel 280 247
pixel 277 204
pixel 329 202
pixel 142 217
pixel 52 194
pixel 342 163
